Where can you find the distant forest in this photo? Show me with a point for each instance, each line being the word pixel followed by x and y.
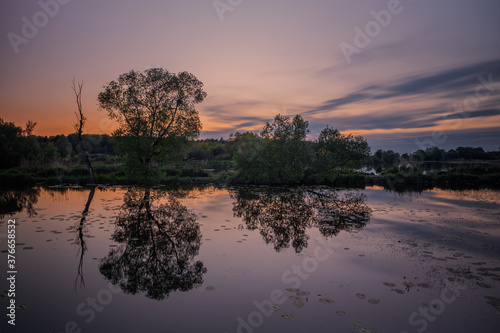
pixel 58 159
pixel 20 150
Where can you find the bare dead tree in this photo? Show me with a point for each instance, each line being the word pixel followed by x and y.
pixel 80 123
pixel 30 126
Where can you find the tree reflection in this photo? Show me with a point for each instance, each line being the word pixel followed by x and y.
pixel 283 215
pixel 80 239
pixel 335 212
pixel 157 248
pixel 12 202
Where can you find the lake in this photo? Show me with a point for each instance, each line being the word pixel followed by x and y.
pixel 252 259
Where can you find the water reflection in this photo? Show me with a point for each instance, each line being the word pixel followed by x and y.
pixel 80 240
pixel 15 201
pixel 158 244
pixel 283 215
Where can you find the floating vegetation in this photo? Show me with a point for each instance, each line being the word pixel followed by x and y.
pixel 399 291
pixel 197 285
pixel 360 296
pixel 464 273
pixel 275 307
pixel 493 301
pixel 210 288
pixel 303 293
pixel 295 298
pixel 298 303
pixel 365 330
pixel 484 285
pixel 357 324
pixel 423 285
pixel 480 263
pixel 326 300
pixel 360 326
pixel 373 301
pixel 293 290
pixel 389 284
pixel 485 271
pixel 287 315
pixel 341 313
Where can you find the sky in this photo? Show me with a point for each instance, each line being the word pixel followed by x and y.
pixel 406 75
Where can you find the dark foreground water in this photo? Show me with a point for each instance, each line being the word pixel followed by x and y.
pixel 251 260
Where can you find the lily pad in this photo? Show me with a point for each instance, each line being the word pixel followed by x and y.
pixel 326 300
pixel 360 296
pixel 298 304
pixel 423 285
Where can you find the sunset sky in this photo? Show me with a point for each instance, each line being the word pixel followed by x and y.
pixel 406 75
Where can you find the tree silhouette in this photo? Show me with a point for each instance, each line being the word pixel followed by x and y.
pixel 156 113
pixel 79 124
pixel 158 246
pixel 284 215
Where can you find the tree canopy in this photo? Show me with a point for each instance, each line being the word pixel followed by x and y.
pixel 154 109
pixel 283 155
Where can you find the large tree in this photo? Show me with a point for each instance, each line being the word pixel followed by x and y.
pixel 156 111
pixel 279 155
pixel 287 153
pixel 337 152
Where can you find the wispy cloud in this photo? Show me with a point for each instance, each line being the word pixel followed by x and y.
pixel 445 88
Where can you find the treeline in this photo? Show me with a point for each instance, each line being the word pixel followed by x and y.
pixel 387 159
pixel 20 148
pixel 282 153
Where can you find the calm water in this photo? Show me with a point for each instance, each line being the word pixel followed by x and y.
pixel 253 260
